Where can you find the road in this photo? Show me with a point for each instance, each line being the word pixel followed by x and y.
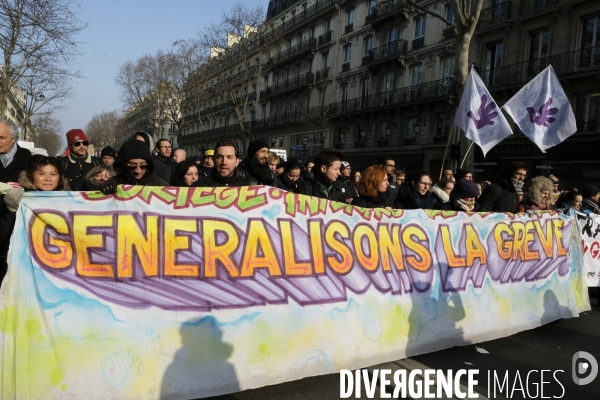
pixel 549 347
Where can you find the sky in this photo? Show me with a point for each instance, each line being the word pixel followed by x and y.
pixel 124 30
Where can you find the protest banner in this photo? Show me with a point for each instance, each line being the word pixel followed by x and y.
pixel 193 292
pixel 589 225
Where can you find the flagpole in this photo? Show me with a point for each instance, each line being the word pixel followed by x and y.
pixel 466 154
pixel 446 151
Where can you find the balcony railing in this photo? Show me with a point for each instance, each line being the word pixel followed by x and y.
pixel 529 6
pixel 307 14
pixel 494 15
pixel 289 84
pixel 448 33
pixel 578 61
pixel 423 91
pixel 317 113
pixel 324 38
pixel 348 28
pixel 418 43
pixel 215 132
pixel 227 104
pixel 322 74
pixel 389 50
pixel 384 10
pixel 346 67
pixel 301 48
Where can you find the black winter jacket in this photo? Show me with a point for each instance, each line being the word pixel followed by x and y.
pixel 285 183
pixel 239 178
pixel 500 196
pixel 135 149
pixel 260 174
pixel 409 199
pixel 11 172
pixel 311 187
pixel 75 170
pixel 382 200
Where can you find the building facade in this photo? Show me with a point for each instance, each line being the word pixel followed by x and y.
pixel 375 78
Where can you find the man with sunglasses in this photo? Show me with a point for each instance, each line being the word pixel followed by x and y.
pixel 79 162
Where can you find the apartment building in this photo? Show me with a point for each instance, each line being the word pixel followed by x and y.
pixel 375 78
pixel 136 119
pixel 515 40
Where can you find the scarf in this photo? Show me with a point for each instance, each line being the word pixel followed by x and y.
pixel 78 159
pixel 262 173
pixel 290 184
pixel 518 185
pixel 324 184
pixel 464 205
pixel 164 160
pixel 590 204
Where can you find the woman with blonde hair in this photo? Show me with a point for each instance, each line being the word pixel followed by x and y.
pixel 372 189
pixel 538 195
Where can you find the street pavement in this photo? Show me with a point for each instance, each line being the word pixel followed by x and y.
pixel 549 347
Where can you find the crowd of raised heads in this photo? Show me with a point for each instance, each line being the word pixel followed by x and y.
pixel 327 175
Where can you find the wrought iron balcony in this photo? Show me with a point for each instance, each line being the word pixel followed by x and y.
pixel 386 52
pixel 301 48
pixel 529 6
pixel 405 95
pixel 448 33
pixel 348 28
pixel 384 10
pixel 322 74
pixel 307 14
pixel 578 61
pixel 227 104
pixel 324 38
pixel 494 15
pixel 215 132
pixel 314 114
pixel 346 67
pixel 245 74
pixel 418 43
pixel 289 84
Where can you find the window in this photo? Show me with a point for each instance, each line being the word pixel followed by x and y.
pixel 587 112
pixel 590 39
pixel 448 67
pixel 539 43
pixel 443 125
pixel 372 5
pixel 416 74
pixel 450 15
pixel 388 82
pixel 368 44
pixel 350 17
pixel 295 103
pixel 361 133
pixel 325 60
pixel 493 55
pixel 341 136
pixel 392 35
pixel 410 129
pixel 344 93
pixel 328 25
pixel 347 53
pixel 420 27
pixel 384 131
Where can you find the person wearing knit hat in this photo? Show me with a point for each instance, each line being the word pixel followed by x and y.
pixel 78 163
pixel 591 195
pixel 538 195
pixel 344 180
pixel 255 164
pixel 464 195
pixel 463 174
pixel 108 155
pixel 134 166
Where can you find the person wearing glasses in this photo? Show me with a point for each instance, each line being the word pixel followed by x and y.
pixel 390 166
pixel 164 148
pixel 79 162
pixel 416 195
pixel 134 166
pixel 502 195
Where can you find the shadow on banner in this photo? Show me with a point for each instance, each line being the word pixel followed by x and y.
pixel 200 366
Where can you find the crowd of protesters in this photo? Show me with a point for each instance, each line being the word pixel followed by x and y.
pixel 327 176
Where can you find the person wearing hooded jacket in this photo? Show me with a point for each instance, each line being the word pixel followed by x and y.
pixel 290 177
pixel 41 174
pixel 321 181
pixel 502 195
pixel 372 189
pixel 256 164
pixel 159 168
pixel 591 196
pixel 134 166
pixel 538 195
pixel 464 196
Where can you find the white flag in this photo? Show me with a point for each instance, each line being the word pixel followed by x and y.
pixel 542 110
pixel 479 116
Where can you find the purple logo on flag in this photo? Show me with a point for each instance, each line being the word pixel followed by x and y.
pixel 486 113
pixel 543 118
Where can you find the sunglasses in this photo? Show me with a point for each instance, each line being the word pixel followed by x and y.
pixel 84 143
pixel 133 167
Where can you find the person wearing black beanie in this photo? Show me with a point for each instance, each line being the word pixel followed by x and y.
pixel 591 195
pixel 256 165
pixel 108 155
pixel 134 166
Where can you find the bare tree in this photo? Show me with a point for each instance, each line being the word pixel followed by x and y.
pixel 105 129
pixel 46 133
pixel 35 35
pixel 234 47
